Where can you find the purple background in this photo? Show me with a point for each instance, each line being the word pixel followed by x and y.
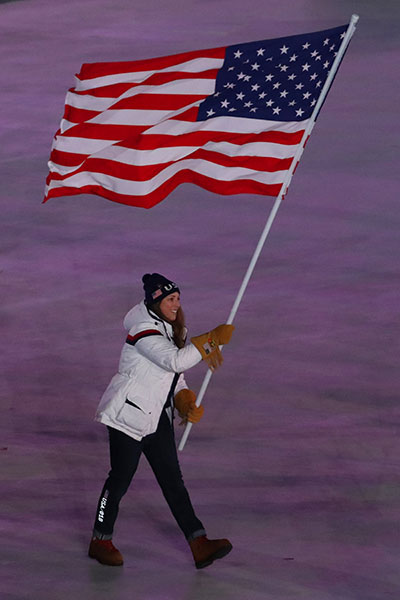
pixel 297 454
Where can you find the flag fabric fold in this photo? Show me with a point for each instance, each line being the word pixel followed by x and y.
pixel 227 119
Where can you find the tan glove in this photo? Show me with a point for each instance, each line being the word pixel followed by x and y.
pixel 208 344
pixel 185 402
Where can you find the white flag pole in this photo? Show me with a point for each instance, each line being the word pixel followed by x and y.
pixel 342 49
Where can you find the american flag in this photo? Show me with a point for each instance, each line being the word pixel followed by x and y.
pixel 227 119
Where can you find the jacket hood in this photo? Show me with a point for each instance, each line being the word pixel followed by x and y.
pixel 136 314
pixel 139 315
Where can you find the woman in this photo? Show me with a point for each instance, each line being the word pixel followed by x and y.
pixel 137 408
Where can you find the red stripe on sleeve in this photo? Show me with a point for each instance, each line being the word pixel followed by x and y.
pixel 132 339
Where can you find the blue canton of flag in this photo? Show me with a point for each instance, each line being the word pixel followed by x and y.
pixel 277 80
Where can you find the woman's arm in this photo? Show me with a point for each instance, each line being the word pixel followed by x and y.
pixel 166 355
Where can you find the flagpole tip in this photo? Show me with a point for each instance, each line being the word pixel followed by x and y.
pixel 354 18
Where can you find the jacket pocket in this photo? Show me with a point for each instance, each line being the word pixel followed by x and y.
pixel 131 415
pixel 132 404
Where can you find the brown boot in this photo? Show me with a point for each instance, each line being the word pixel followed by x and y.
pixel 105 552
pixel 206 551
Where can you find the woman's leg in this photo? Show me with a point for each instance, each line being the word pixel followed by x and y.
pixel 124 456
pixel 160 450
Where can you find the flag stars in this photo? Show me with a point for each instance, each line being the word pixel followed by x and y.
pixel 342 35
pixel 287 90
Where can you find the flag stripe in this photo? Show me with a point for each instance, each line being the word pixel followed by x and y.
pixel 143 142
pixel 112 133
pixel 101 69
pixel 181 83
pixel 200 138
pixel 141 158
pixel 131 172
pixel 191 66
pixel 73 116
pixel 116 90
pixel 243 186
pixel 62 161
pixel 226 124
pixel 143 187
pixel 141 101
pixel 152 101
pixel 67 146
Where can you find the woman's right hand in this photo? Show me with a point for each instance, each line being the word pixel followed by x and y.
pixel 208 344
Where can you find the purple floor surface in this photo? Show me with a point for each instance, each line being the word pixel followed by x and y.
pixel 296 459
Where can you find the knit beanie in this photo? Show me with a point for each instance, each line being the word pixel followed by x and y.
pixel 156 287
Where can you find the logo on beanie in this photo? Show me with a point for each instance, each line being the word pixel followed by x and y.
pixel 156 294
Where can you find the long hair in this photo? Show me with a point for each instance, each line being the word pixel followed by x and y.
pixel 178 325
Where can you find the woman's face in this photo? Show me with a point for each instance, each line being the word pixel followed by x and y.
pixel 169 306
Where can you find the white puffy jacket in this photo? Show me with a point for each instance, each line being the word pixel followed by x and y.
pixel 135 396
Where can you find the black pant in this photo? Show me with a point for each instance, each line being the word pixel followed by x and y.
pixel 160 450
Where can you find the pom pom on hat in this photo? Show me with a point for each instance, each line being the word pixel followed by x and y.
pixel 156 287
